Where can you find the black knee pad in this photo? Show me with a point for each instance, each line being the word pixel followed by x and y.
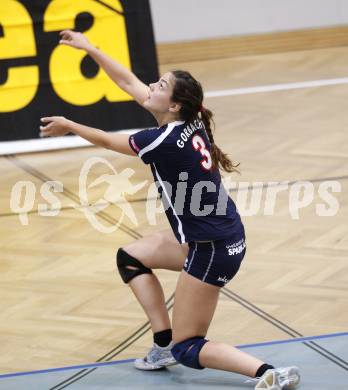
pixel 123 260
pixel 187 352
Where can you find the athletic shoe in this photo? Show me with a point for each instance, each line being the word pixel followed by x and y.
pixel 279 378
pixel 157 358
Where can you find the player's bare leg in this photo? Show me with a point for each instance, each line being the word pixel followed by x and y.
pixel 163 251
pixel 188 322
pixel 157 251
pixel 190 326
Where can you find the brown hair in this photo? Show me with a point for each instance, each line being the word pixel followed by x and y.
pixel 189 93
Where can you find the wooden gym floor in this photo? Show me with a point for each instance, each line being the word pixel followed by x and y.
pixel 62 302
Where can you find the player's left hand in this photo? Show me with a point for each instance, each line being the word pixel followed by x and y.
pixel 55 126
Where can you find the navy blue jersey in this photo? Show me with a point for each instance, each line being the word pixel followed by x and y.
pixel 196 203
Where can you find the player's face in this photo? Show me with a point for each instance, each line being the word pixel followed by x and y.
pixel 159 100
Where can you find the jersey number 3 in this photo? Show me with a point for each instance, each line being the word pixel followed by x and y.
pixel 199 144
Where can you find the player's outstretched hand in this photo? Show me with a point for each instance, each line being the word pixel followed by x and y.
pixel 74 39
pixel 55 126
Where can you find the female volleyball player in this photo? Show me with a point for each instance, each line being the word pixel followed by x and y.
pixel 207 241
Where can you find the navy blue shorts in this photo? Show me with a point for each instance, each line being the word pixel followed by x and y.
pixel 215 262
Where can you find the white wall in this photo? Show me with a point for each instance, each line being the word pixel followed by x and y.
pixel 180 20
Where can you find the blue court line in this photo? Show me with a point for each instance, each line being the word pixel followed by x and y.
pixel 294 340
pixel 243 346
pixel 91 365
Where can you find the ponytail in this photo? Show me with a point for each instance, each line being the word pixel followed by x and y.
pixel 220 159
pixel 189 93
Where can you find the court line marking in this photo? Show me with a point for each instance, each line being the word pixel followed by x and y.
pixel 21 164
pixel 242 346
pixel 285 328
pixel 45 144
pixel 295 340
pixel 276 87
pixel 132 339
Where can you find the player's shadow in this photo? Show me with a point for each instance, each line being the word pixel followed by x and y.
pixel 207 378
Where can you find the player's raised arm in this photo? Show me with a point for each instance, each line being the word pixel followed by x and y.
pixel 122 76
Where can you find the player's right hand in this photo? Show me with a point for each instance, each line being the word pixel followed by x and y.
pixel 74 39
